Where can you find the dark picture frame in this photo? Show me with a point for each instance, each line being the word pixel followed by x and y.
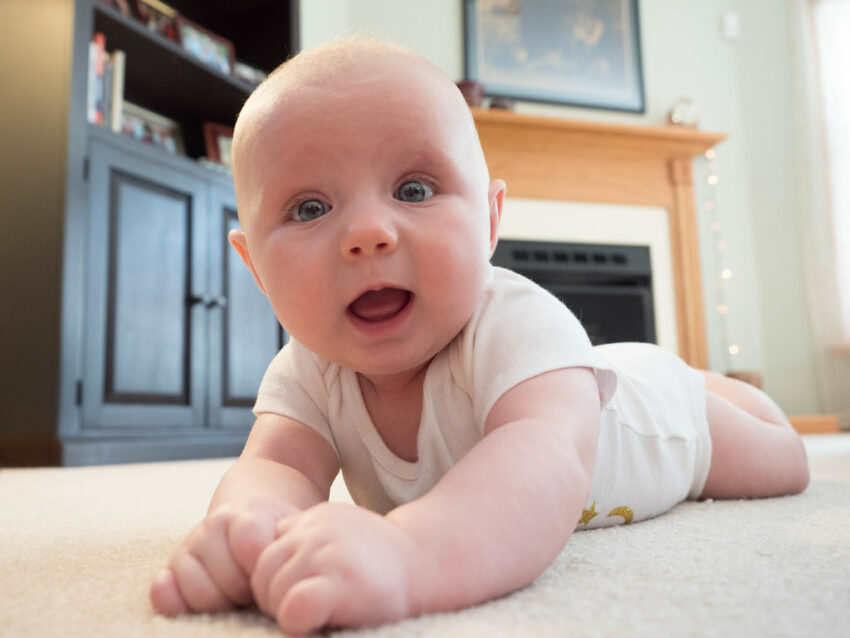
pixel 156 15
pixel 218 139
pixel 583 53
pixel 206 46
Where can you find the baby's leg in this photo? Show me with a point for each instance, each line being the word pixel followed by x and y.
pixel 755 450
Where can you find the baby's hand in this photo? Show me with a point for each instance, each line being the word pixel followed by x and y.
pixel 335 564
pixel 209 571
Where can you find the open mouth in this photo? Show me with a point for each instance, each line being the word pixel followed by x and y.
pixel 379 305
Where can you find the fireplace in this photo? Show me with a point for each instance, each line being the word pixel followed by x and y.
pixel 608 287
pixel 564 160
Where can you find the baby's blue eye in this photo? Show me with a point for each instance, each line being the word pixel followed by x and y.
pixel 309 210
pixel 413 191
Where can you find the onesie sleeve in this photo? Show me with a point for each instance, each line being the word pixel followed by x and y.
pixel 295 386
pixel 520 331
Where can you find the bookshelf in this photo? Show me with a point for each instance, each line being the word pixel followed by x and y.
pixel 131 332
pixel 163 77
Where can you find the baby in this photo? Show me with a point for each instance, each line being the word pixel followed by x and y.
pixel 475 426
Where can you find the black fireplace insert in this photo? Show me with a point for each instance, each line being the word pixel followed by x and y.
pixel 608 287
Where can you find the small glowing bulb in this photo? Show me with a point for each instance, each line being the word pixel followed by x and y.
pixel 722 309
pixel 715 226
pixel 709 154
pixel 726 273
pixel 733 349
pixel 721 245
pixel 712 180
pixel 709 206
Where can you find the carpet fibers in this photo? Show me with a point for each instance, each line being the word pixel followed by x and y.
pixel 78 547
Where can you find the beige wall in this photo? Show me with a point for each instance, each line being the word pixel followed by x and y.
pixel 744 89
pixel 35 45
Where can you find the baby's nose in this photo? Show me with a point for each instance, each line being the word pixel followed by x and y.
pixel 368 235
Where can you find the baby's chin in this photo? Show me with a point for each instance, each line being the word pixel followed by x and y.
pixel 393 363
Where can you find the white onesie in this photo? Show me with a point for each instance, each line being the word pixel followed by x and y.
pixel 654 448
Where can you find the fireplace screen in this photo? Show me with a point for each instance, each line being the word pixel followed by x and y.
pixel 608 287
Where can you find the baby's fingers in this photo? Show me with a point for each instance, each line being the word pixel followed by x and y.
pixel 222 567
pixel 199 591
pixel 165 595
pixel 269 566
pixel 307 606
pixel 248 536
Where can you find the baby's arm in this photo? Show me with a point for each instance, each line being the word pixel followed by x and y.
pixel 285 468
pixel 500 516
pixel 492 524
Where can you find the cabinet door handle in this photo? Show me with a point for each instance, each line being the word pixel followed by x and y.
pixel 208 300
pixel 192 300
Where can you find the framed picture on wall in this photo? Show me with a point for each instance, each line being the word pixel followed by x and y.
pixel 577 52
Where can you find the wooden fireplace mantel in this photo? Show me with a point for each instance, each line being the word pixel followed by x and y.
pixel 581 161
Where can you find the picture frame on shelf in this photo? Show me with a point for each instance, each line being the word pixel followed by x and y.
pixel 569 52
pixel 206 46
pixel 152 128
pixel 157 16
pixel 218 139
pixel 122 5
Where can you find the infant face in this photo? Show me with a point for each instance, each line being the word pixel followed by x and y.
pixel 366 212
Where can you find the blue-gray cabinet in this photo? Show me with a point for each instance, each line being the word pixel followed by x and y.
pixel 177 335
pixel 130 329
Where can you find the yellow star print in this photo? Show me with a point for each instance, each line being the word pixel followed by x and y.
pixel 587 515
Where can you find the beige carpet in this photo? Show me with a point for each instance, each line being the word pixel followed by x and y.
pixel 78 547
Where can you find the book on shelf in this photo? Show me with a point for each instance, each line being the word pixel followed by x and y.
pixel 118 62
pixel 94 96
pixel 105 96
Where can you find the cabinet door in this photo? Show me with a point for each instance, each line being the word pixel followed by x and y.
pixel 244 333
pixel 145 329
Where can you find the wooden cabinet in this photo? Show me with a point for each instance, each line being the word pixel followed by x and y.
pixel 163 336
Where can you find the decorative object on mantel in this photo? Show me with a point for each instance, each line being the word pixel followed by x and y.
pixel 566 51
pixel 504 103
pixel 472 91
pixel 684 112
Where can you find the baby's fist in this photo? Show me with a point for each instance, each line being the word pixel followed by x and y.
pixel 209 571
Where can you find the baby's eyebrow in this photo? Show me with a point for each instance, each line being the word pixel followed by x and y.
pixel 427 159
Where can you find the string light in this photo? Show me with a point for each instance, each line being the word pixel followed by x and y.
pixel 724 273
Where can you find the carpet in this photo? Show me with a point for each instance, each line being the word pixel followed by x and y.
pixel 78 547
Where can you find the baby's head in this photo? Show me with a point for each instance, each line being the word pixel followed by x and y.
pixel 367 213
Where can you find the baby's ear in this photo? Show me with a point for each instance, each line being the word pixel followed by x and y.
pixel 496 197
pixel 237 239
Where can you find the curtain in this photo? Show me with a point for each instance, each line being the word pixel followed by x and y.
pixel 824 168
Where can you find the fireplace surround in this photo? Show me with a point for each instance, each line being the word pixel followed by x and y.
pixel 580 161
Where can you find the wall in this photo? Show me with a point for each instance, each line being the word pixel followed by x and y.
pixel 743 89
pixel 35 40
